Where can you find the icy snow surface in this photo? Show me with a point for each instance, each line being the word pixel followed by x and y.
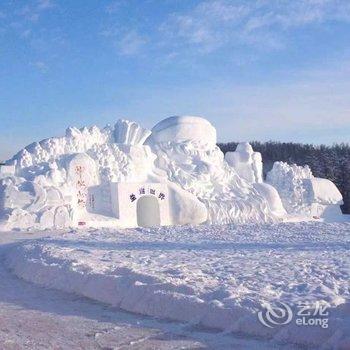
pixel 213 276
pixel 62 181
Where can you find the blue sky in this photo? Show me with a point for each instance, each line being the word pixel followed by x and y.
pixel 258 70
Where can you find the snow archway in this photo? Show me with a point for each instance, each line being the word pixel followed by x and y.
pixel 148 213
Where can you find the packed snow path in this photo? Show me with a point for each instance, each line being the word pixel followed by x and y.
pixel 212 276
pixel 35 318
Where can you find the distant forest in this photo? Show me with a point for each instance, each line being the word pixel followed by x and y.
pixel 331 162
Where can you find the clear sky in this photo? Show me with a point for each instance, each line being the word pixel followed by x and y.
pixel 258 70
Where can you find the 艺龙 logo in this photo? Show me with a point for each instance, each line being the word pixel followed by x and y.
pixel 275 315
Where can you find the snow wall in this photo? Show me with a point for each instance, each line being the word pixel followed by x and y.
pixel 117 175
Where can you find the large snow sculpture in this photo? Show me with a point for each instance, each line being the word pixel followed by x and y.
pixel 304 194
pixel 126 176
pixel 193 161
pixel 78 179
pixel 246 162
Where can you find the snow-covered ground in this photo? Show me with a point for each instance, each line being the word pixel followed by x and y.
pixel 32 318
pixel 217 277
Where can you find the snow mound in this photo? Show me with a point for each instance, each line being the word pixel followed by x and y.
pixel 212 276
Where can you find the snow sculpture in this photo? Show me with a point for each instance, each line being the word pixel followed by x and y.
pixel 127 198
pixel 302 193
pixel 194 162
pixel 288 180
pixel 23 203
pixel 246 162
pixel 183 128
pixel 71 181
pixel 127 176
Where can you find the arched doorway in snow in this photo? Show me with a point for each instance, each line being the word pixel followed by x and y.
pixel 148 213
pixel 127 206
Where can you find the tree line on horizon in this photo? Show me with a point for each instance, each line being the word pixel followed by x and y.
pixel 330 162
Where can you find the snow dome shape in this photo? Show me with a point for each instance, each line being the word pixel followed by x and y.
pixel 184 128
